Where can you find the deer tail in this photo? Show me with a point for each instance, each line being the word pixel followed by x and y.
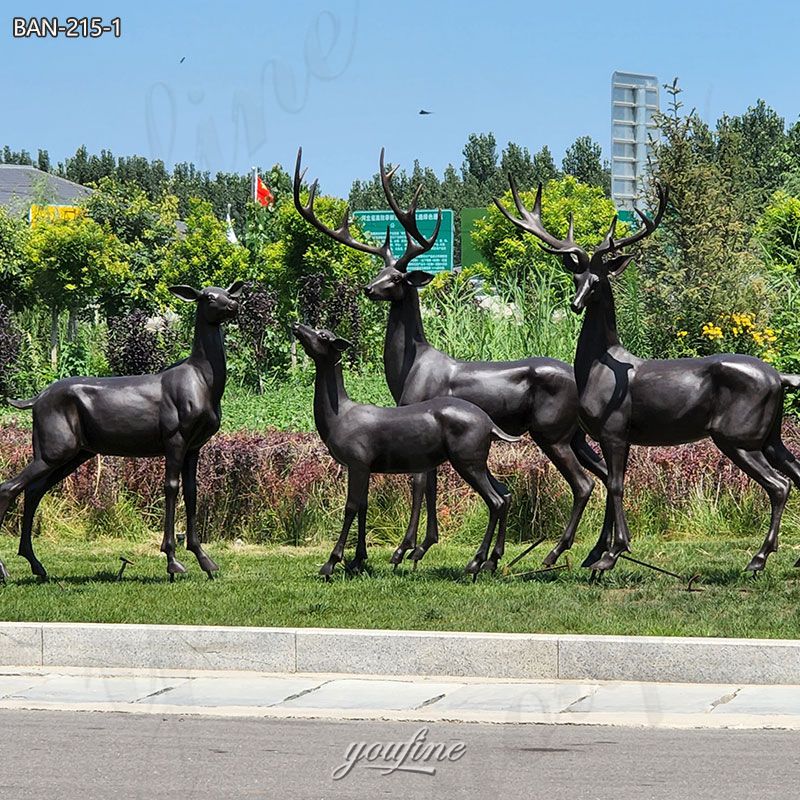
pixel 503 436
pixel 790 381
pixel 21 404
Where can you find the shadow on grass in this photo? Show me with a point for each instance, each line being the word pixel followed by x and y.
pixel 81 580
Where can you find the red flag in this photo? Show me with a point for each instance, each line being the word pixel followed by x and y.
pixel 263 194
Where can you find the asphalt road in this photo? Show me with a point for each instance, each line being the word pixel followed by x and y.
pixel 101 756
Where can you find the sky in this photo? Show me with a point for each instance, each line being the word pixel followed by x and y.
pixel 343 78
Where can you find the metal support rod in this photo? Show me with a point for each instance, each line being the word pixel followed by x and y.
pixel 525 552
pixel 689 585
pixel 125 563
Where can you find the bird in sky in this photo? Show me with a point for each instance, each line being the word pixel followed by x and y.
pixel 182 60
pixel 424 112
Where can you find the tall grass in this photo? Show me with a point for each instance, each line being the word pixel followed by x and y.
pixel 526 320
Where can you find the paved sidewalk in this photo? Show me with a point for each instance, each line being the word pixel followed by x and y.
pixel 654 705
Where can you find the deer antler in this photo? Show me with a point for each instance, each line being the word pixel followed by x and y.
pixel 416 243
pixel 610 245
pixel 342 233
pixel 531 222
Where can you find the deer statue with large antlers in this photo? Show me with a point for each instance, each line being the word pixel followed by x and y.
pixel 736 400
pixel 534 395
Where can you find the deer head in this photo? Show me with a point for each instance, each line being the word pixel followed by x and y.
pixel 215 305
pixel 390 282
pixel 321 345
pixel 607 260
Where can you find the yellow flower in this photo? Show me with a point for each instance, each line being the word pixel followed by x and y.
pixel 681 334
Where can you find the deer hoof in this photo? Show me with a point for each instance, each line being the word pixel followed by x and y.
pixel 417 554
pixel 354 567
pixel 551 558
pixel 488 566
pixel 326 570
pixel 797 563
pixel 606 561
pixel 474 566
pixel 4 576
pixel 208 564
pixel 175 567
pixel 757 563
pixel 397 556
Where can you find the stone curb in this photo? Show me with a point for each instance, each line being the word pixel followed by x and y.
pixel 376 652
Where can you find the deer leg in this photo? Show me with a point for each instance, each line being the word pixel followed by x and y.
pixel 10 490
pixel 357 564
pixel 174 462
pixel 189 484
pixel 784 460
pixel 490 565
pixel 478 478
pixel 33 496
pixel 357 487
pixel 606 533
pixel 616 455
pixel 567 463
pixel 587 456
pixel 432 525
pixel 755 464
pixel 410 539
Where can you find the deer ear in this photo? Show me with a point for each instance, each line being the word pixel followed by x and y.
pixel 341 344
pixel 418 278
pixel 235 289
pixel 185 293
pixel 617 265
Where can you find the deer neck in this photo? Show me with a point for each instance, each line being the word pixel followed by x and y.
pixel 405 338
pixel 330 397
pixel 208 353
pixel 598 332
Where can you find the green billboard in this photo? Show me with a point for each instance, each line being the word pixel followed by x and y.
pixel 438 259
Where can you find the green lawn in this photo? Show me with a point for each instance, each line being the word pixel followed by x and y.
pixel 279 586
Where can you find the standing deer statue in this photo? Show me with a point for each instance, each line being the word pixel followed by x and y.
pixel 172 414
pixel 537 395
pixel 736 400
pixel 406 439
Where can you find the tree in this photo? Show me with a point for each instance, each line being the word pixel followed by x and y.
pixel 544 167
pixel 517 161
pixel 13 242
pixel 145 230
pixel 777 232
pixel 73 263
pixel 480 159
pixel 204 256
pixel 583 160
pixel 697 269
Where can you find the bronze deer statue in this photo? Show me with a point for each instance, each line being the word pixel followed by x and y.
pixel 533 395
pixel 418 437
pixel 736 400
pixel 172 414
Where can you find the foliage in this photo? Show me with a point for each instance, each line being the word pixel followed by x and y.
pixel 13 243
pixel 204 256
pixel 698 266
pixel 144 228
pixel 138 344
pixel 583 160
pixel 777 232
pixel 74 263
pixel 10 340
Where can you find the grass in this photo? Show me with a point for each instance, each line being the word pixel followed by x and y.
pixel 280 586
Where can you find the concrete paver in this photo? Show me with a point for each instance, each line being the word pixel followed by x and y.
pixel 763 700
pixel 389 695
pixel 545 698
pixel 96 688
pixel 260 691
pixel 653 698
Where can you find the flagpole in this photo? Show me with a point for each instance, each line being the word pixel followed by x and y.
pixel 254 185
